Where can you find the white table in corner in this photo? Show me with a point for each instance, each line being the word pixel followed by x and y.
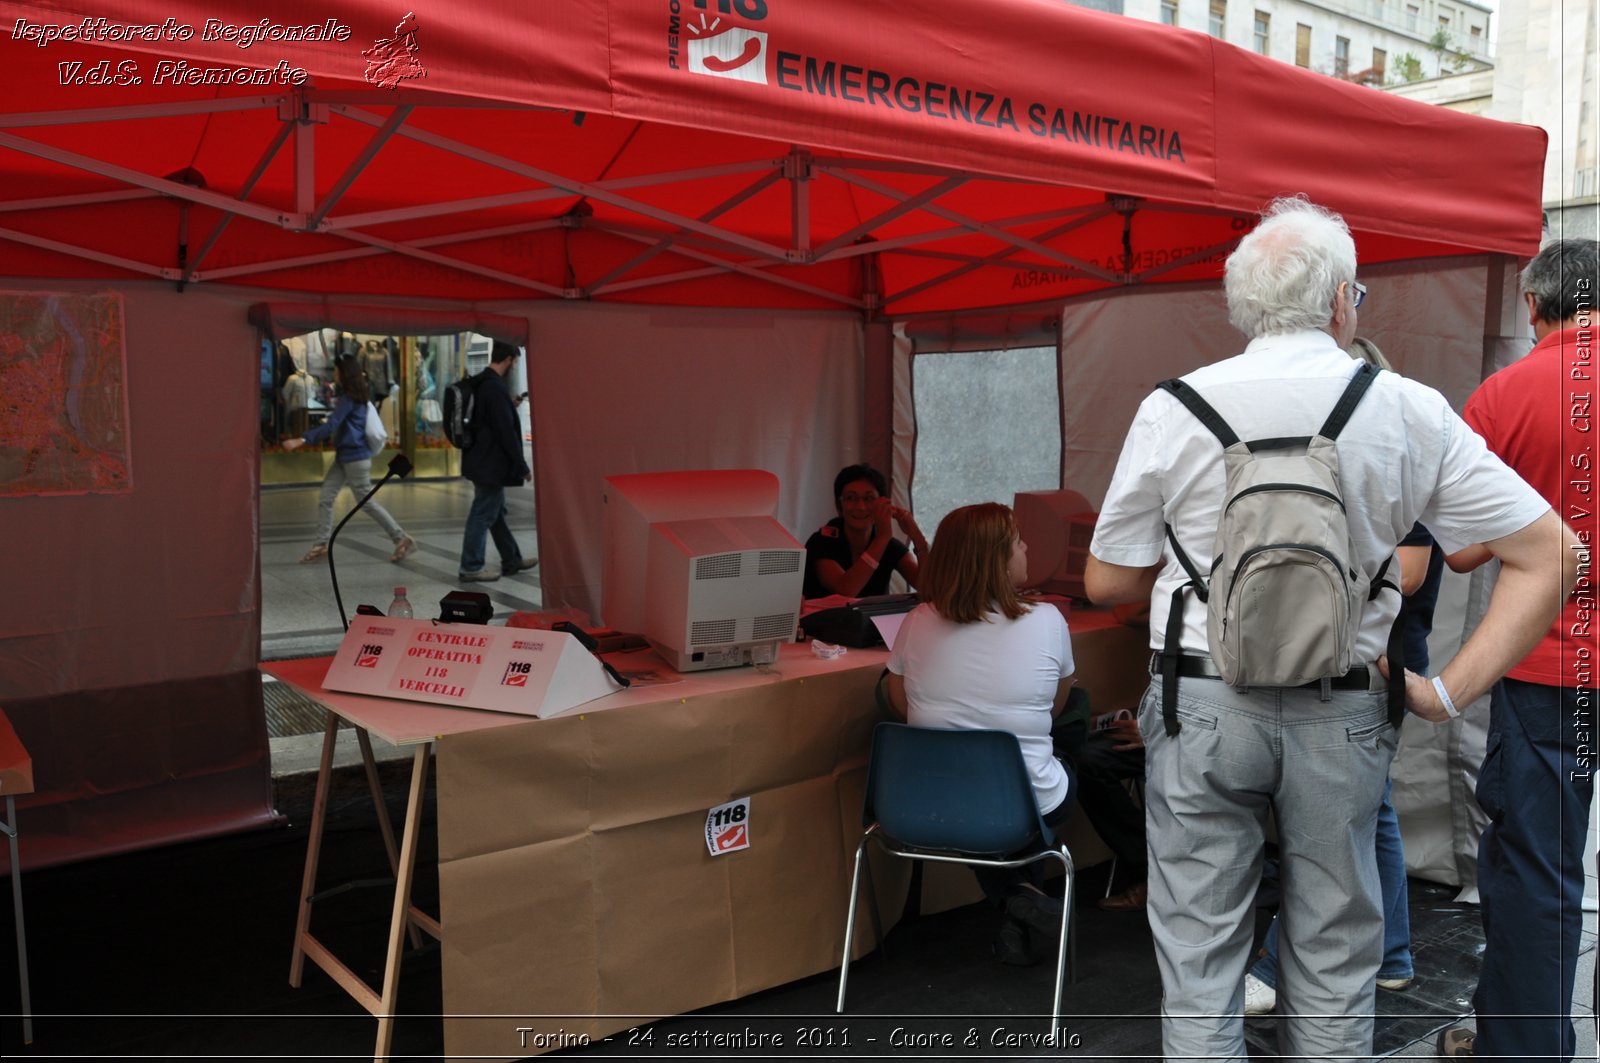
pixel 400 723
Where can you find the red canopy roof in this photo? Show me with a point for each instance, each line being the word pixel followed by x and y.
pixel 798 153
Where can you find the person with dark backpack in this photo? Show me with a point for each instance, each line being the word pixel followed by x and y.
pixel 456 411
pixel 1291 718
pixel 493 461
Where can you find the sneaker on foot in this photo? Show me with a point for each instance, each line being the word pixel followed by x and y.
pixel 1259 997
pixel 484 575
pixel 1395 985
pixel 521 566
pixel 1456 1043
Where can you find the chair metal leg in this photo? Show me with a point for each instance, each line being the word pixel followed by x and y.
pixel 1066 944
pixel 10 830
pixel 850 924
pixel 1063 945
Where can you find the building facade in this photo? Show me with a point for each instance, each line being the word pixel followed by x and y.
pixel 1547 76
pixel 1376 42
pixel 1542 69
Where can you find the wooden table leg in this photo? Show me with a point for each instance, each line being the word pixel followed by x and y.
pixel 401 917
pixel 385 827
pixel 308 882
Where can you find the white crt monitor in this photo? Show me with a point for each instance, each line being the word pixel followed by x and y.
pixel 1054 525
pixel 696 563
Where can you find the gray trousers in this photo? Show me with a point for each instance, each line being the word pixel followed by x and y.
pixel 356 475
pixel 1319 766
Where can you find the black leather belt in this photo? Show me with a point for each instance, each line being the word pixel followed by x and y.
pixel 1362 677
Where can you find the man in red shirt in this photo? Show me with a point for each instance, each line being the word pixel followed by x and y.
pixel 1537 780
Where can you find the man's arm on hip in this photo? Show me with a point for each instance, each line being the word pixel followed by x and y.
pixel 1538 567
pixel 1109 584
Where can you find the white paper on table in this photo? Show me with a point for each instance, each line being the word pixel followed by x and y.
pixel 888 627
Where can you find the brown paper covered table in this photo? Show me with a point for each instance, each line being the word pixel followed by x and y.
pixel 577 894
pixel 576 889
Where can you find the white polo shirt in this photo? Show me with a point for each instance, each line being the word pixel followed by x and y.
pixel 1405 456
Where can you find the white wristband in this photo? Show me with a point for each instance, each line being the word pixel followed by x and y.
pixel 1450 709
pixel 869 560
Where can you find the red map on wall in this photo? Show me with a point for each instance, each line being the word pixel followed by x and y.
pixel 63 394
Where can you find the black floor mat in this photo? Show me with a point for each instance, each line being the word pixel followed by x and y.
pixel 289 712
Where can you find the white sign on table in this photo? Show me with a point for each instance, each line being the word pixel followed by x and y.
pixel 471 666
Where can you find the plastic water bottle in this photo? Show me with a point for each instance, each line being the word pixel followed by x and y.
pixel 401 606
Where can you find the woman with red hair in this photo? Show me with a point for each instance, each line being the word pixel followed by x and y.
pixel 973 654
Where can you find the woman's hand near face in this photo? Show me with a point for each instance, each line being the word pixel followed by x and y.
pixel 913 534
pixel 883 517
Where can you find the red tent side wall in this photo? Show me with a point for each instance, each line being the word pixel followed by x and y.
pixel 128 657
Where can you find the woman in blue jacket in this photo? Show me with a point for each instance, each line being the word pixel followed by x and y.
pixel 353 461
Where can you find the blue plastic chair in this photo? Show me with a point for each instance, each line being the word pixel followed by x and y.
pixel 955 797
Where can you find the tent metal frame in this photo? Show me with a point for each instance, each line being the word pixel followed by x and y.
pixel 304 114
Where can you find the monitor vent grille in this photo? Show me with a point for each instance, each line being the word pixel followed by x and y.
pixel 777 562
pixel 703 632
pixel 776 626
pixel 719 566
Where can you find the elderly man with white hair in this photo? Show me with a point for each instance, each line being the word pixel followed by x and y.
pixel 1315 756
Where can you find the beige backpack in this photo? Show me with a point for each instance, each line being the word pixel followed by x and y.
pixel 1285 595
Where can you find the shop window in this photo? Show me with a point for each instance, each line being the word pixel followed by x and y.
pixel 406 376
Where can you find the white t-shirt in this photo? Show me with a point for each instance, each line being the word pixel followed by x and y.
pixel 1405 456
pixel 997 674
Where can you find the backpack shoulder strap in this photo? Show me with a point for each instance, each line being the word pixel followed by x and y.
pixel 1365 374
pixel 1182 555
pixel 1379 584
pixel 1201 409
pixel 1172 647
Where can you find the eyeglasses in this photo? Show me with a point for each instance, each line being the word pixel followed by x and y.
pixel 1358 294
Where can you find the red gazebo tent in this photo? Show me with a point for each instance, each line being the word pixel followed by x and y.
pixel 880 162
pixel 776 153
